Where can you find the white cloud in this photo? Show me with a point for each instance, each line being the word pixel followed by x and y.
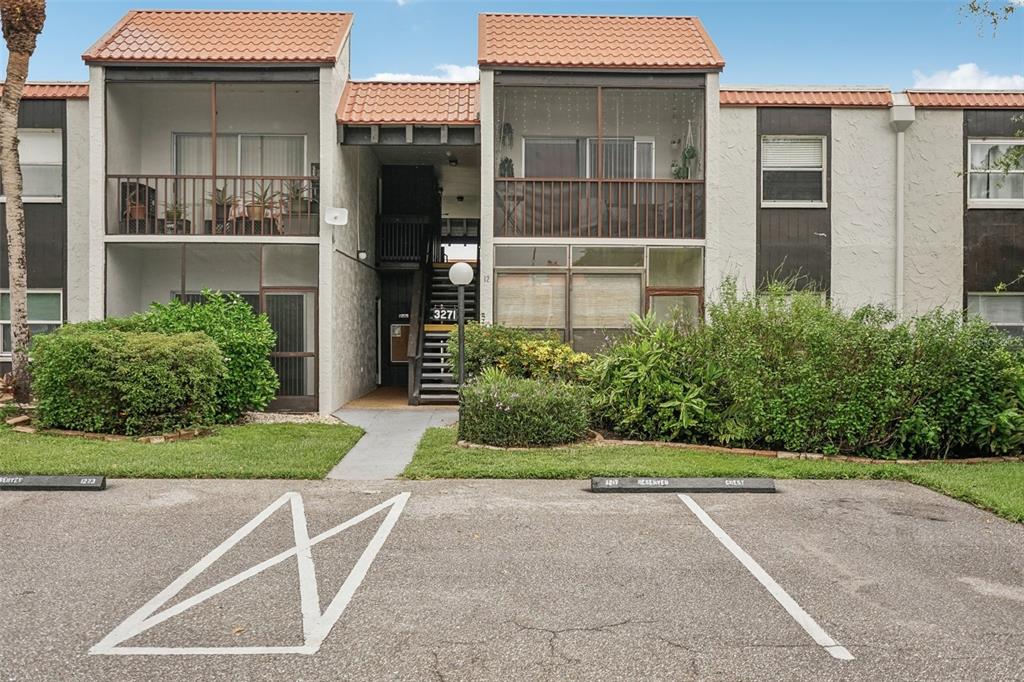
pixel 446 73
pixel 968 77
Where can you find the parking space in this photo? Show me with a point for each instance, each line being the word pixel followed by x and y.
pixel 503 579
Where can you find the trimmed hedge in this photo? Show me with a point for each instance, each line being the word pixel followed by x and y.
pixel 245 339
pixel 496 409
pixel 110 381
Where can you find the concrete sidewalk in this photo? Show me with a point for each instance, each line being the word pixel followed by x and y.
pixel 390 440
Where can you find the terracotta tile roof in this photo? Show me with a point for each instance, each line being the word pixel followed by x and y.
pixel 365 102
pixel 804 97
pixel 966 100
pixel 183 37
pixel 544 40
pixel 54 90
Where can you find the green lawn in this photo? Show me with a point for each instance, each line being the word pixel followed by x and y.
pixel 249 451
pixel 996 487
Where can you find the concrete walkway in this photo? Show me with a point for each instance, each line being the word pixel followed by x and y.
pixel 389 442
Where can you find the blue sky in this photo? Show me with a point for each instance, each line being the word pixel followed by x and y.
pixel 864 42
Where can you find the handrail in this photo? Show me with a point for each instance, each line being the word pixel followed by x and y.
pixel 417 313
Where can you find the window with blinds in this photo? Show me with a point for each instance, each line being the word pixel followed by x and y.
pixel 1004 311
pixel 793 171
pixel 41 153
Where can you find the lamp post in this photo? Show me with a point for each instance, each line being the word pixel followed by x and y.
pixel 460 275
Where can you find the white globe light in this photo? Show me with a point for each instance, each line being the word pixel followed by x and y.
pixel 460 274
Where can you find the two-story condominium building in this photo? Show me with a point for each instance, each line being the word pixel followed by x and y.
pixel 598 169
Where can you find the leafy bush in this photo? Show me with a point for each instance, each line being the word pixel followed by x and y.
pixel 517 352
pixel 496 409
pixel 784 370
pixel 245 338
pixel 641 388
pixel 111 381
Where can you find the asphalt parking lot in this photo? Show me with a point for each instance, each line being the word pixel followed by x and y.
pixel 497 580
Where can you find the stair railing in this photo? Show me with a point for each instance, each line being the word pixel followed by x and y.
pixel 421 280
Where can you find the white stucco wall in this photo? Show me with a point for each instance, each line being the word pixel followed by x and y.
pixel 77 201
pixel 934 250
pixel 863 208
pixel 97 192
pixel 356 284
pixel 733 172
pixel 487 169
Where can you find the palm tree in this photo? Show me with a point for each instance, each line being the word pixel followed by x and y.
pixel 22 22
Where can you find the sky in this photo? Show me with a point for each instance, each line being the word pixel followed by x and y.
pixel 920 43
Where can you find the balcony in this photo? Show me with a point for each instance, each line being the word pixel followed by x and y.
pixel 590 161
pixel 212 159
pixel 606 208
pixel 190 205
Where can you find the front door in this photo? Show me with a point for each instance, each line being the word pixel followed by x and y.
pixel 395 306
pixel 293 316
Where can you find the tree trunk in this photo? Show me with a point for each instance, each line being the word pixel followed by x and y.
pixel 10 171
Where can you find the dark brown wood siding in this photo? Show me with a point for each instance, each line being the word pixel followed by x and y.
pixel 993 238
pixel 795 242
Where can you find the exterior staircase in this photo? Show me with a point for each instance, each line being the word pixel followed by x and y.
pixel 438 384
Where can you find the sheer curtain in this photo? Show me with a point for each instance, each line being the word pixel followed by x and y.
pixel 273 155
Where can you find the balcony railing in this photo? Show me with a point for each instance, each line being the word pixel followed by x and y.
pixel 208 205
pixel 607 208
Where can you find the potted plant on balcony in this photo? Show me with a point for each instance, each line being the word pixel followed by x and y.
pixel 174 218
pixel 296 197
pixel 262 202
pixel 135 205
pixel 506 168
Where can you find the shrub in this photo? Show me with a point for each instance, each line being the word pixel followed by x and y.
pixel 643 390
pixel 784 370
pixel 111 381
pixel 245 339
pixel 517 352
pixel 496 409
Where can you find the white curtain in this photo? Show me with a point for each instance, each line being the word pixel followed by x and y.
pixel 273 155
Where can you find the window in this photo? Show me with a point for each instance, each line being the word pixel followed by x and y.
pixel 591 300
pixel 551 157
pixel 42 158
pixel 793 171
pixel 989 185
pixel 1004 311
pixel 45 313
pixel 251 155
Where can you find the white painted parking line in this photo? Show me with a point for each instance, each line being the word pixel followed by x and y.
pixel 315 626
pixel 798 614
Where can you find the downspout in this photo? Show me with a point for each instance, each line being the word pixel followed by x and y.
pixel 901 116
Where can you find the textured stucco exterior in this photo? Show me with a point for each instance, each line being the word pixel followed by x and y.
pixel 863 208
pixel 733 190
pixel 934 252
pixel 332 179
pixel 77 200
pixel 97 190
pixel 486 290
pixel 356 287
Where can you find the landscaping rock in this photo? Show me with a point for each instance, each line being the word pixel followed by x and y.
pixel 24 429
pixel 20 419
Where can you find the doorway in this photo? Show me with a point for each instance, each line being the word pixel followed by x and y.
pixel 293 314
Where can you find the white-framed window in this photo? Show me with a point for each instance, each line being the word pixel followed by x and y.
pixel 793 171
pixel 41 151
pixel 243 154
pixel 988 185
pixel 1002 310
pixel 573 157
pixel 45 313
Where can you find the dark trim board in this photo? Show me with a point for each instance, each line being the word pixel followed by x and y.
pixel 795 242
pixel 207 74
pixel 993 238
pixel 625 79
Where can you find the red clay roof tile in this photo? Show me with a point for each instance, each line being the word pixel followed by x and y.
pixel 966 100
pixel 544 40
pixel 800 97
pixel 184 37
pixel 377 102
pixel 53 90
